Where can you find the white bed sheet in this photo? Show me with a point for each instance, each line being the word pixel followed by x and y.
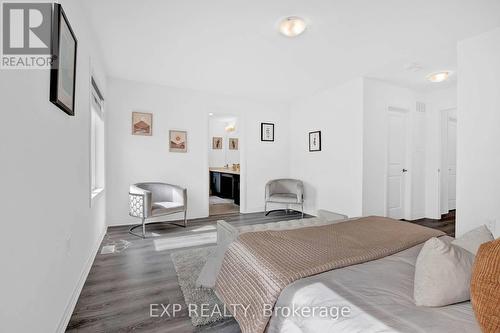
pixel 380 296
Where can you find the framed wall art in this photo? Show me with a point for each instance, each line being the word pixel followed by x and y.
pixel 178 141
pixel 63 67
pixel 217 142
pixel 233 144
pixel 142 123
pixel 266 132
pixel 315 141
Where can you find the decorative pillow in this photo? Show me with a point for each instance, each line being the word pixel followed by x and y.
pixel 485 287
pixel 442 274
pixel 472 240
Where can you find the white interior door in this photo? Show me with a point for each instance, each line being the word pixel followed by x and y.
pixel 452 163
pixel 448 172
pixel 396 166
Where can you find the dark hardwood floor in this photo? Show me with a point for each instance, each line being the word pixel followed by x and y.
pixel 445 224
pixel 121 286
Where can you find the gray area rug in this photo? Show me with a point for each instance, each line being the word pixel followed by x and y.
pixel 188 265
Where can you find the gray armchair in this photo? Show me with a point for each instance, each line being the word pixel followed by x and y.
pixel 148 200
pixel 285 191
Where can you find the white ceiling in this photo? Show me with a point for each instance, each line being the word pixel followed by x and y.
pixel 233 47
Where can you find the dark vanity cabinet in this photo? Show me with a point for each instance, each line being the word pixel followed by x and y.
pixel 236 189
pixel 215 183
pixel 225 185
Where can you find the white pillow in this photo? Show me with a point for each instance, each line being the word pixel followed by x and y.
pixel 473 239
pixel 442 274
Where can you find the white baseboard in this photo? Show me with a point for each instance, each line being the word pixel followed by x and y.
pixel 81 281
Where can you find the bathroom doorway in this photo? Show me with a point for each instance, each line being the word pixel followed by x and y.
pixel 224 164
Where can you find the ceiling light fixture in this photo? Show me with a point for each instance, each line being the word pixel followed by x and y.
pixel 438 76
pixel 230 128
pixel 292 26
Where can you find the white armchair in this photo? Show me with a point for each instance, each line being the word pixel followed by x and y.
pixel 148 200
pixel 285 191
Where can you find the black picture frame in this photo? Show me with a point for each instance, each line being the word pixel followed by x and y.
pixel 58 20
pixel 262 131
pixel 311 148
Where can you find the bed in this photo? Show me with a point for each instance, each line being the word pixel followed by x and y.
pixel 376 289
pixel 380 296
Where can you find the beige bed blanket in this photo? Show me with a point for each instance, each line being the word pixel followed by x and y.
pixel 259 265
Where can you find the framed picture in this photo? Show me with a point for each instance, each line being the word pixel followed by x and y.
pixel 266 132
pixel 178 141
pixel 233 144
pixel 216 142
pixel 142 123
pixel 315 141
pixel 63 67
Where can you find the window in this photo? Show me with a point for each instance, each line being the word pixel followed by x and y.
pixel 97 163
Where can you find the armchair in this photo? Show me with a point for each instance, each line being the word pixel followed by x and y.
pixel 148 200
pixel 285 191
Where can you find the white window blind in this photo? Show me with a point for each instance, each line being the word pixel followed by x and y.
pixel 97 145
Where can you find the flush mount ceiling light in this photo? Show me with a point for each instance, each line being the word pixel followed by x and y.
pixel 438 76
pixel 292 26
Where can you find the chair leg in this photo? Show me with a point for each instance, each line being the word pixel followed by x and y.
pixel 302 210
pixel 185 218
pixel 143 228
pixel 265 209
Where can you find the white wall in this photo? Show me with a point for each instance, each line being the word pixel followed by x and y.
pixel 221 157
pixel 378 97
pixel 333 176
pixel 356 111
pixel 478 142
pixel 49 230
pixel 134 159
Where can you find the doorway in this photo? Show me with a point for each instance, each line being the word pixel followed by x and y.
pixel 448 199
pixel 397 163
pixel 224 164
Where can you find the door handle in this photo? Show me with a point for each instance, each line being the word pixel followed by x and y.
pixel 404 170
